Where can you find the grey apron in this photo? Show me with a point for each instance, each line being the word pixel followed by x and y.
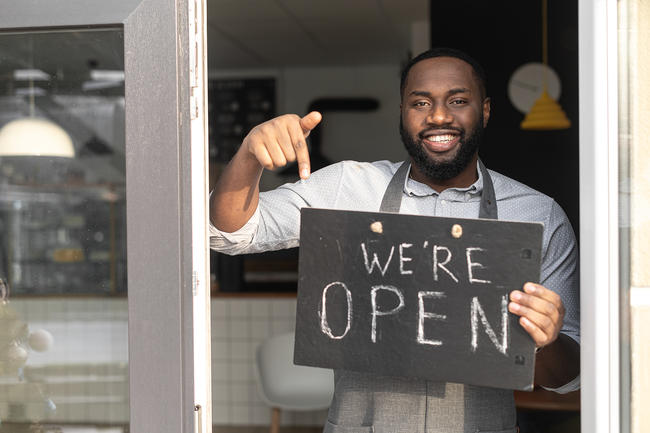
pixel 392 200
pixel 366 403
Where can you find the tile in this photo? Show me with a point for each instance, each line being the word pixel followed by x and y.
pixel 220 349
pixel 221 371
pixel 221 393
pixel 261 415
pixel 220 329
pixel 240 351
pixel 260 329
pixel 284 308
pixel 239 393
pixel 218 308
pixel 240 329
pixel 242 372
pixel 281 326
pixel 221 414
pixel 238 308
pixel 241 414
pixel 260 309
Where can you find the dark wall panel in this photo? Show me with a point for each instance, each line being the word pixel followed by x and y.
pixel 503 35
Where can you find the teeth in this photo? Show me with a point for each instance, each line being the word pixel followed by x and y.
pixel 441 138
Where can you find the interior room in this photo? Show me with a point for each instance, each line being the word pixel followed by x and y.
pixel 316 55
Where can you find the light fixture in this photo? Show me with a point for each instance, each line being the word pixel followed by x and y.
pixel 34 136
pixel 546 113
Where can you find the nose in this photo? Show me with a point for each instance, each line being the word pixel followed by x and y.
pixel 439 115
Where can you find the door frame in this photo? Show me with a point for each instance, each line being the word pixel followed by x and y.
pixel 599 217
pixel 166 276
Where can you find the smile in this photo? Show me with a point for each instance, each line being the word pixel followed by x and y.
pixel 440 142
pixel 441 138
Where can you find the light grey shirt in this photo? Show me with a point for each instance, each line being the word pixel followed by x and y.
pixel 351 185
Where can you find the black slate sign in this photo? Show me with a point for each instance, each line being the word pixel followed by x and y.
pixel 415 296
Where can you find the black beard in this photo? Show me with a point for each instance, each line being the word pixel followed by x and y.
pixel 442 171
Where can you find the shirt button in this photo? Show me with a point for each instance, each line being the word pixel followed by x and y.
pixel 468 196
pixel 443 202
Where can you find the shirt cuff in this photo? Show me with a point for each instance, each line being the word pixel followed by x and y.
pixel 574 385
pixel 237 241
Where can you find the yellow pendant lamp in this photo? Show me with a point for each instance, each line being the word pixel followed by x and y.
pixel 546 113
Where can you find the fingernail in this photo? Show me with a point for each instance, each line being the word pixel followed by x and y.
pixel 304 173
pixel 530 288
pixel 514 307
pixel 516 296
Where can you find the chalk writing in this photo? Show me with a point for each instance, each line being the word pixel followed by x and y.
pixel 427 315
pixel 471 265
pixel 476 312
pixel 374 312
pixel 375 260
pixel 324 325
pixel 403 259
pixel 437 264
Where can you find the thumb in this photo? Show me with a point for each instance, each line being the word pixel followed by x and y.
pixel 310 121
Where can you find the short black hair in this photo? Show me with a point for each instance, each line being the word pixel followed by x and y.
pixel 447 52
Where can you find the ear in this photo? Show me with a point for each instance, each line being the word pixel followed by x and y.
pixel 486 111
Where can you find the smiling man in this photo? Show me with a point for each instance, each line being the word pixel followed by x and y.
pixel 444 111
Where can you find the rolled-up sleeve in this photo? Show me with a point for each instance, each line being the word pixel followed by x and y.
pixel 236 242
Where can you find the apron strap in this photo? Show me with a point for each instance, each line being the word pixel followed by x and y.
pixel 392 200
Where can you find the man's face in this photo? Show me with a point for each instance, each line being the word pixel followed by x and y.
pixel 443 115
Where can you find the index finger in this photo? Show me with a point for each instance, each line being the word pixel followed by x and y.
pixel 300 148
pixel 542 292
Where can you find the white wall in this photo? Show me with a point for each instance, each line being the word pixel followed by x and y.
pixel 365 136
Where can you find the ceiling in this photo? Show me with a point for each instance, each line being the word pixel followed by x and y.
pixel 278 33
pixel 242 34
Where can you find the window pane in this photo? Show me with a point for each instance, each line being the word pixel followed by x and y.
pixel 63 319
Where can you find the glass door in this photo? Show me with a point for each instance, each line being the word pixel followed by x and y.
pixel 103 254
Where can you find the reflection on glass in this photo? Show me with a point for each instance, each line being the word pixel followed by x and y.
pixel 63 308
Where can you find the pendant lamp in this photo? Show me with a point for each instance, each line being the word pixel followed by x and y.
pixel 546 113
pixel 34 136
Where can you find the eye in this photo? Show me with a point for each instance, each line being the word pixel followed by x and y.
pixel 420 104
pixel 458 102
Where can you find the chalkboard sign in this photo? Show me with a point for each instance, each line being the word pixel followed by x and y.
pixel 415 296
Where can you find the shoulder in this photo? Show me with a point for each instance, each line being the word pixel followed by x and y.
pixel 519 202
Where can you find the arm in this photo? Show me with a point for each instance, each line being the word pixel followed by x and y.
pixel 550 311
pixel 269 145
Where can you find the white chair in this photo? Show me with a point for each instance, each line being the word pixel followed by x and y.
pixel 285 386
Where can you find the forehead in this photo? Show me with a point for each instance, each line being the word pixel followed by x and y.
pixel 441 73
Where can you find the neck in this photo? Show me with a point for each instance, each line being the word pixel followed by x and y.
pixel 464 179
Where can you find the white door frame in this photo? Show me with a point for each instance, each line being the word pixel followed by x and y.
pixel 599 256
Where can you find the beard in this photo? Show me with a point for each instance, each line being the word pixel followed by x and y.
pixel 443 170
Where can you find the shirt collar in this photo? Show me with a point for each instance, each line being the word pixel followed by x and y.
pixel 414 188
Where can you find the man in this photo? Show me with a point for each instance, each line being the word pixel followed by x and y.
pixel 444 109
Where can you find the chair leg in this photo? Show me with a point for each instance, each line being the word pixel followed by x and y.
pixel 275 420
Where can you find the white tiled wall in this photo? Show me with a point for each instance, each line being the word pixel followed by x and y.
pixel 238 327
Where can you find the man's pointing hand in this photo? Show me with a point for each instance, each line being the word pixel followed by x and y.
pixel 281 140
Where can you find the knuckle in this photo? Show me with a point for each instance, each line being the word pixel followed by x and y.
pixel 550 310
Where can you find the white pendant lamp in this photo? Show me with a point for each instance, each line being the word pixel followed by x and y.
pixel 34 136
pixel 31 135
